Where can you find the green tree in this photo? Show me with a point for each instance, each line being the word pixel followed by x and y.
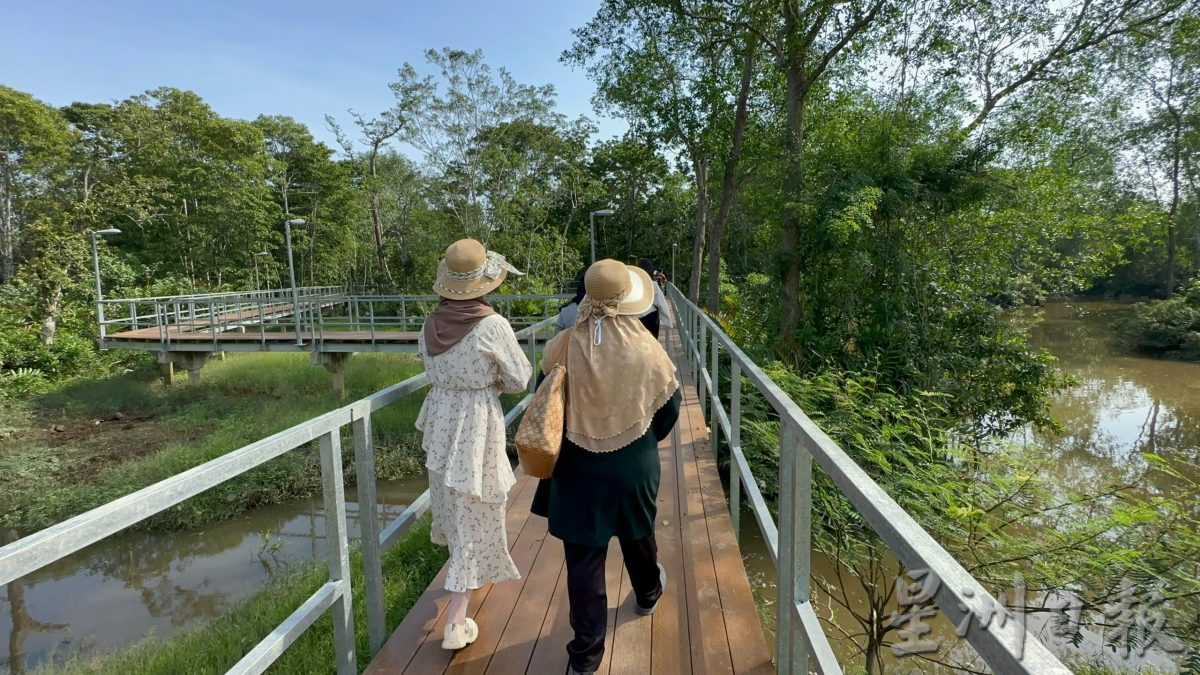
pixel 670 69
pixel 187 187
pixel 536 180
pixel 375 135
pixel 446 115
pixel 309 182
pixel 1163 67
pixel 34 140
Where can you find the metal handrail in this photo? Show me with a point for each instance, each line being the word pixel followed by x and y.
pixel 26 556
pixel 284 292
pixel 799 635
pixel 271 311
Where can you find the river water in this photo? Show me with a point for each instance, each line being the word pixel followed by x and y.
pixel 140 584
pixel 1120 407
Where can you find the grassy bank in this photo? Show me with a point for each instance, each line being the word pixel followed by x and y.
pixel 407 570
pixel 93 441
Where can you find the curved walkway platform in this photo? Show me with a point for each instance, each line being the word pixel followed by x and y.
pixel 706 622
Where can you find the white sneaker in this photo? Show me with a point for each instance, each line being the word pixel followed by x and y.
pixel 459 635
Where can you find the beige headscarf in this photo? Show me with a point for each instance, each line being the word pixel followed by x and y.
pixel 618 376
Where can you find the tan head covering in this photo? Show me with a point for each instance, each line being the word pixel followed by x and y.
pixel 608 407
pixel 470 271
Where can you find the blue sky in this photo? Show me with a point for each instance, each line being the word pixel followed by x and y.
pixel 302 58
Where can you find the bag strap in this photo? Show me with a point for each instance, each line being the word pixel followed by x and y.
pixel 563 349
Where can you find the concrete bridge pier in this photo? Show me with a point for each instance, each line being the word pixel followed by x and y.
pixel 192 362
pixel 335 363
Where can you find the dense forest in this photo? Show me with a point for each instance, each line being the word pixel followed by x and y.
pixel 855 190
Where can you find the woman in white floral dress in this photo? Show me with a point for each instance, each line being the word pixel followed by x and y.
pixel 471 356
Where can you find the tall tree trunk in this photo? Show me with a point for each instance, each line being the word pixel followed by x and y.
pixel 729 180
pixel 793 183
pixel 1172 229
pixel 377 218
pixel 700 166
pixel 7 265
pixel 50 320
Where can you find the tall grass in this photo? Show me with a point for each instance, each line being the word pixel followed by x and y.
pixel 242 399
pixel 407 570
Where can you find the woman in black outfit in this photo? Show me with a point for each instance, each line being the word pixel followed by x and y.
pixel 605 483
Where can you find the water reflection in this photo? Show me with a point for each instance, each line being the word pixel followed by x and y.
pixel 1121 407
pixel 137 584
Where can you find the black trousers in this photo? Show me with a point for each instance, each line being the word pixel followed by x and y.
pixel 589 596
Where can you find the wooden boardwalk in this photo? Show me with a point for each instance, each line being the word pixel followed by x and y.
pixel 706 621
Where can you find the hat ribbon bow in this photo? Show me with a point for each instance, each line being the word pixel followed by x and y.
pixel 492 267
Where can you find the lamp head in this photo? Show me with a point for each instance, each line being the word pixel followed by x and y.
pixel 297 221
pixel 603 212
pixel 111 230
pixel 261 253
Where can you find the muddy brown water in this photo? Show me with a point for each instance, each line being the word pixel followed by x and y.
pixel 140 584
pixel 1123 405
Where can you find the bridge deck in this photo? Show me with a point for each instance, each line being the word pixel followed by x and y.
pixel 706 623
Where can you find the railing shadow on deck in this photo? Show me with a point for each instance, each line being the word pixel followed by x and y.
pixel 1006 646
pixel 54 543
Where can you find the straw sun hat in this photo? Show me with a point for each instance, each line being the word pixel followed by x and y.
pixel 468 271
pixel 631 287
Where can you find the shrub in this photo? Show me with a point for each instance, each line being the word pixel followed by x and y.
pixel 1168 328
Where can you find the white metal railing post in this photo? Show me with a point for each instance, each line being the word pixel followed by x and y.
pixel 212 325
pixel 795 509
pixel 735 445
pixel 318 319
pixel 714 395
pixel 702 364
pixel 368 528
pixel 371 314
pixel 532 354
pixel 338 552
pixel 165 333
pixel 262 324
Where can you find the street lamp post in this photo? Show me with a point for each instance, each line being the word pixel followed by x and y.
pixel 592 227
pixel 287 228
pixel 96 267
pixel 674 250
pixel 255 257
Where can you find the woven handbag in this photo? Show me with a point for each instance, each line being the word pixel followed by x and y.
pixel 539 437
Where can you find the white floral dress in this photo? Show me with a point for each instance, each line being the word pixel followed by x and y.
pixel 464 441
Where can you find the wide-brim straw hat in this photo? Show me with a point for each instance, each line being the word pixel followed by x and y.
pixel 608 280
pixel 469 271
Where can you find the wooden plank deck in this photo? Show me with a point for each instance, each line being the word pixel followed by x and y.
pixel 706 621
